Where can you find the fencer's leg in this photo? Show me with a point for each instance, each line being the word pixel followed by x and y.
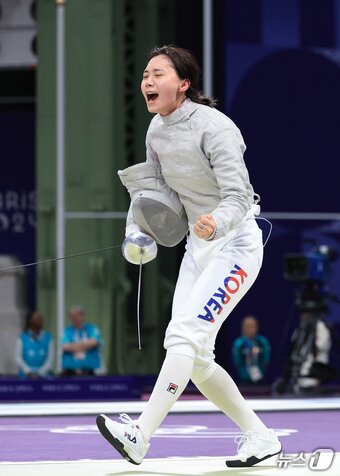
pixel 216 292
pixel 179 361
pixel 257 442
pixel 221 390
pixel 202 301
pixel 131 437
pixel 172 380
pixel 217 289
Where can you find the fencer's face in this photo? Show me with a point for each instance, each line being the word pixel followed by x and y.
pixel 162 89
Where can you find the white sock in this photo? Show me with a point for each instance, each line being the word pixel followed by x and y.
pixel 223 392
pixel 172 380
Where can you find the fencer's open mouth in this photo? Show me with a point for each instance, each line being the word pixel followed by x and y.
pixel 151 97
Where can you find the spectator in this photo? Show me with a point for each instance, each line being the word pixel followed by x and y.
pixel 34 348
pixel 251 352
pixel 82 345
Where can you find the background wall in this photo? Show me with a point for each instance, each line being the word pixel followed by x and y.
pixel 106 120
pixel 281 86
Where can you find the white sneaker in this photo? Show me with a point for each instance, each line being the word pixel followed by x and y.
pixel 126 437
pixel 253 448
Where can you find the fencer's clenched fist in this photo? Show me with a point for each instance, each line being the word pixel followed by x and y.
pixel 205 227
pixel 139 248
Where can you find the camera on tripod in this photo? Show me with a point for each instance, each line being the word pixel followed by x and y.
pixel 312 270
pixel 314 265
pixel 307 365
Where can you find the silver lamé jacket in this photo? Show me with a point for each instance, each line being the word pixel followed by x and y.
pixel 198 151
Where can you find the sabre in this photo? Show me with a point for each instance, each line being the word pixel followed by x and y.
pixel 74 255
pixel 49 260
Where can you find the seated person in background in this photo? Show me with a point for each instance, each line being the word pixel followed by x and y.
pixel 81 345
pixel 251 352
pixel 34 348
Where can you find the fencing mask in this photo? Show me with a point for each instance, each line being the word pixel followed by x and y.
pixel 156 208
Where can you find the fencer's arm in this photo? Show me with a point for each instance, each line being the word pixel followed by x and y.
pixel 137 247
pixel 131 227
pixel 225 150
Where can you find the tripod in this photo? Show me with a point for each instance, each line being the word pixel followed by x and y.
pixel 303 346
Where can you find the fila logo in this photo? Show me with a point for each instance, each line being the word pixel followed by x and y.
pixel 130 438
pixel 172 388
pixel 232 283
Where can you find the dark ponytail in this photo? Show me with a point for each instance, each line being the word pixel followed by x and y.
pixel 186 67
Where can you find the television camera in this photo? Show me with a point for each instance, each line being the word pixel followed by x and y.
pixel 311 272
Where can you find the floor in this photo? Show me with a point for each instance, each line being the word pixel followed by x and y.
pixel 186 444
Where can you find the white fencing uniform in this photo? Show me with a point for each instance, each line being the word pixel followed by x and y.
pixel 207 291
pixel 198 152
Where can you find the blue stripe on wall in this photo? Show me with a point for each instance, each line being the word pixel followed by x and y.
pixel 280 23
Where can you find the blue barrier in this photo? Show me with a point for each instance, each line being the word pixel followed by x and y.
pixel 72 388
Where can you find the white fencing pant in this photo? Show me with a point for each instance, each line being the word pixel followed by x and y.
pixel 207 292
pixel 214 276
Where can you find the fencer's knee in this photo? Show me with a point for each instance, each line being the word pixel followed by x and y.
pixel 203 372
pixel 182 349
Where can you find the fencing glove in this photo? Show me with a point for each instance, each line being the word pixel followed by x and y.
pixel 139 248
